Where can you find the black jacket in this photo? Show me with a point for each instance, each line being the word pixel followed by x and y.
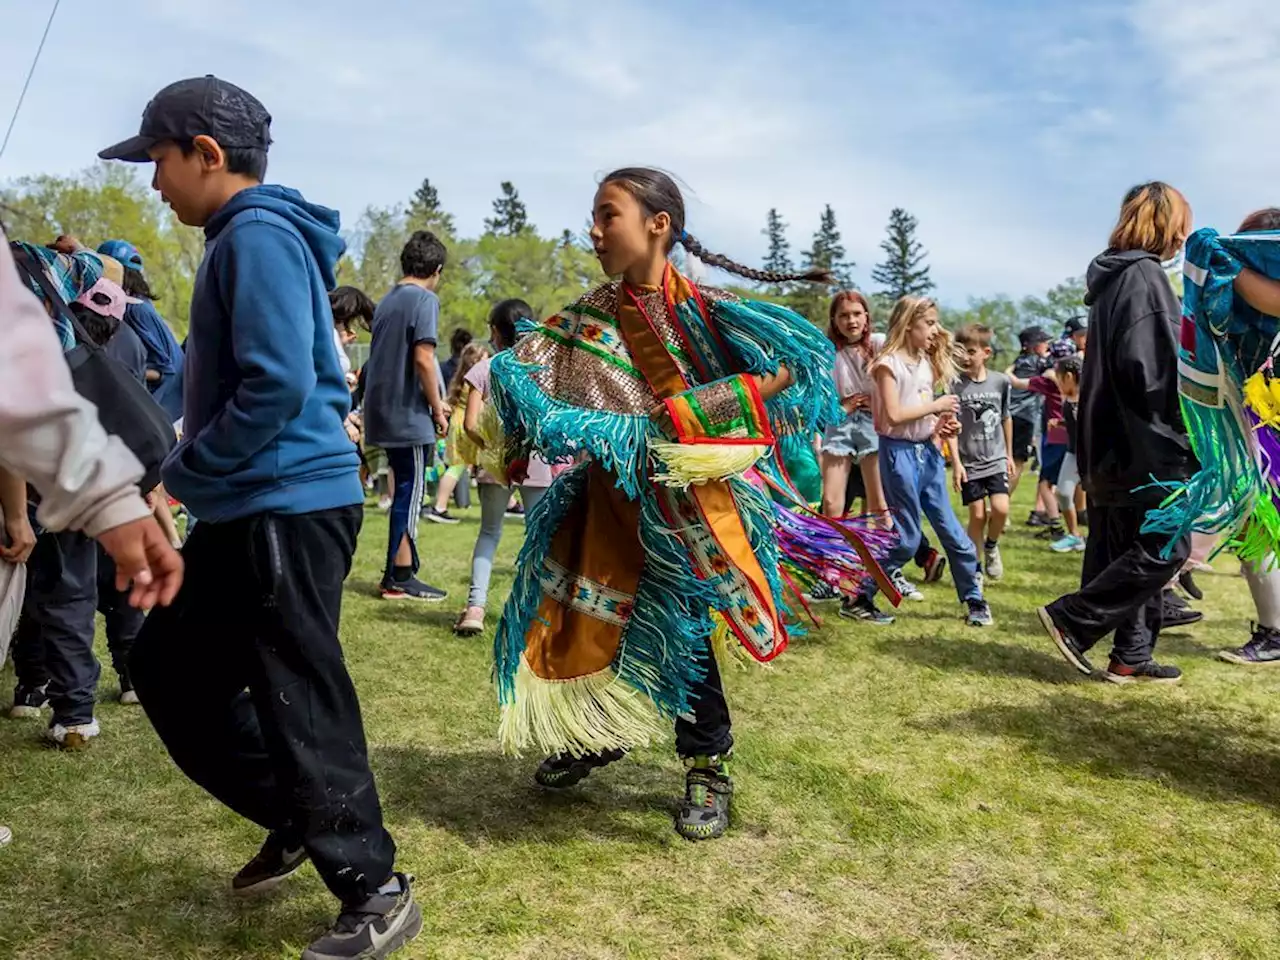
pixel 1130 422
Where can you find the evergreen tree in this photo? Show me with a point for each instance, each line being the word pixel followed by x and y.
pixel 903 272
pixel 426 213
pixel 778 259
pixel 827 252
pixel 510 218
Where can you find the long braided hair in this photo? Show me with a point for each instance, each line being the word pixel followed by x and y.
pixel 657 193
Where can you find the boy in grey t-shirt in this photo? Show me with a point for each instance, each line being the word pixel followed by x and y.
pixel 982 454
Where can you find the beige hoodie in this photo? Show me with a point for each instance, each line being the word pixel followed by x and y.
pixel 49 434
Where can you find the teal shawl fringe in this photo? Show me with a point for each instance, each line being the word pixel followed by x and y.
pixel 522 605
pixel 1223 492
pixel 560 431
pixel 763 336
pixel 664 650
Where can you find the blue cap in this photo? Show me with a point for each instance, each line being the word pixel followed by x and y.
pixel 124 251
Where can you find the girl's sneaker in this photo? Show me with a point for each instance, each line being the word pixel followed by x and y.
pixel 934 566
pixel 704 812
pixel 470 623
pixel 823 591
pixel 439 516
pixel 1068 544
pixel 1149 672
pixel 865 609
pixel 904 586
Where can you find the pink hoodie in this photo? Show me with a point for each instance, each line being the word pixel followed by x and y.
pixel 49 434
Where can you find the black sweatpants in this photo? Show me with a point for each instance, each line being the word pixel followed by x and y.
pixel 244 680
pixel 123 622
pixel 706 729
pixel 1122 584
pixel 54 642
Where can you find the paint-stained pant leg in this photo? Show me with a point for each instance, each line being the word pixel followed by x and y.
pixel 244 680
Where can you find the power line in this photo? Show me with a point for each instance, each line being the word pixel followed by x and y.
pixel 30 73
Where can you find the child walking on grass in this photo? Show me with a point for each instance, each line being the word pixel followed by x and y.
pixel 917 360
pixel 1053 459
pixel 982 453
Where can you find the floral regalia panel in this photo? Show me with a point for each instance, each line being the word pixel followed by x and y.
pixel 1230 400
pixel 633 552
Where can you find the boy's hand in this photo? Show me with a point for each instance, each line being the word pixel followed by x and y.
pixel 22 539
pixel 1055 422
pixel 144 558
pixel 1012 468
pixel 958 477
pixel 441 421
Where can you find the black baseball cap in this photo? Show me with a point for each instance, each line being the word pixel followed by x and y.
pixel 1076 325
pixel 1033 335
pixel 201 106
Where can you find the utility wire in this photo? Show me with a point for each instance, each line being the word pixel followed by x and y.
pixel 30 73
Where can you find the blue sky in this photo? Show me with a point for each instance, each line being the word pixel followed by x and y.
pixel 1010 128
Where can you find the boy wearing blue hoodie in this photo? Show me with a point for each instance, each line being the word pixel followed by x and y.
pixel 243 676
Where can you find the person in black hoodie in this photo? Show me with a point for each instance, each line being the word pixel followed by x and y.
pixel 1130 434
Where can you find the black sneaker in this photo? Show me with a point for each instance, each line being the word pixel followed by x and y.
pixel 1189 586
pixel 1263 649
pixel 28 702
pixel 562 770
pixel 1066 643
pixel 439 516
pixel 1053 530
pixel 1176 612
pixel 371 930
pixel 515 513
pixel 272 865
pixel 412 589
pixel 1149 672
pixel 979 614
pixel 1037 519
pixel 864 609
pixel 704 812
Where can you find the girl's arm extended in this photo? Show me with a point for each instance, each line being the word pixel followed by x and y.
pixel 895 414
pixel 1259 292
pixel 471 417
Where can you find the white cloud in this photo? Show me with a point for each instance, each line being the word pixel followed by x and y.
pixel 1010 134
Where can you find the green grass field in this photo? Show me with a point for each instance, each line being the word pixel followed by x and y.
pixel 920 790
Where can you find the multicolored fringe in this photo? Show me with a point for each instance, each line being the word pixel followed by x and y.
pixel 814 549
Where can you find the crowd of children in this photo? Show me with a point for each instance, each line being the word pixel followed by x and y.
pixel 635 426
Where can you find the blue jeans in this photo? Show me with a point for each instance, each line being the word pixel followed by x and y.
pixel 915 481
pixel 493 508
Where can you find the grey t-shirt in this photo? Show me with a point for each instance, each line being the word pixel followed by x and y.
pixel 396 412
pixel 1026 405
pixel 984 407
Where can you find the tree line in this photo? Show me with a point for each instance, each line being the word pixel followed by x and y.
pixel 510 258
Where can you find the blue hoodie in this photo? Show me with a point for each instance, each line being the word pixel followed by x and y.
pixel 264 396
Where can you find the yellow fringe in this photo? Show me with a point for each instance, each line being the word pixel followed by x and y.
pixel 690 463
pixel 492 456
pixel 726 647
pixel 583 715
pixel 1262 395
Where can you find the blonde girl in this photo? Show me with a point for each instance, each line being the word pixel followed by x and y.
pixel 457 447
pixel 918 361
pixel 854 440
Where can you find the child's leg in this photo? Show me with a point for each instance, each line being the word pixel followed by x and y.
pixel 448 483
pixel 900 475
pixel 704 740
pixel 977 522
pixel 835 483
pixel 999 516
pixel 936 504
pixel 869 467
pixel 493 504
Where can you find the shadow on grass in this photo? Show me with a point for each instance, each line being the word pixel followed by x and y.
pixel 1146 736
pixel 980 656
pixel 483 796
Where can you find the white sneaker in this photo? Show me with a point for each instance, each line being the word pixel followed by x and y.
pixel 74 737
pixel 130 698
pixel 905 587
pixel 5 835
pixel 994 563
